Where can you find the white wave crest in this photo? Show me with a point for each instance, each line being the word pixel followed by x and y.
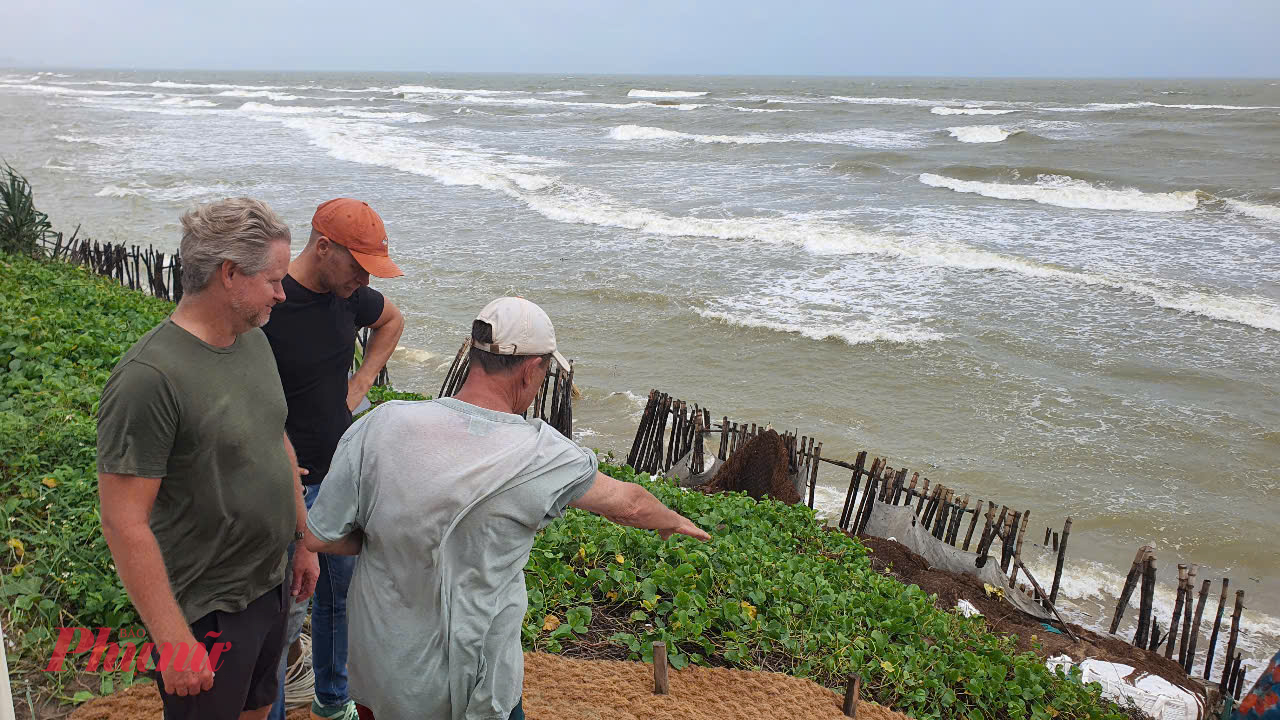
pixel 342 110
pixel 1105 107
pixel 758 110
pixel 860 137
pixel 426 90
pixel 175 193
pixel 563 93
pixel 857 334
pixel 72 92
pixel 637 93
pixel 1068 192
pixel 117 191
pixel 969 111
pixel 188 102
pixel 278 97
pixel 539 102
pixel 980 133
pixel 554 199
pixel 1270 213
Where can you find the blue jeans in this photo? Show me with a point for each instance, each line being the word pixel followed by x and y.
pixel 328 626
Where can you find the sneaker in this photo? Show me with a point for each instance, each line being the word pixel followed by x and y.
pixel 338 712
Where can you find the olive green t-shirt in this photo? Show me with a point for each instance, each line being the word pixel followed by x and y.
pixel 209 421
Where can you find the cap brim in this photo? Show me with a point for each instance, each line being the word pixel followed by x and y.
pixel 377 265
pixel 564 364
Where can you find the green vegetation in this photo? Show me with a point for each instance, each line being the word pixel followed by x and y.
pixel 772 590
pixel 22 227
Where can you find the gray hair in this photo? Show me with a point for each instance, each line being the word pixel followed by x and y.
pixel 237 229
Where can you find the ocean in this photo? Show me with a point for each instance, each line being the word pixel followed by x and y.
pixel 1063 295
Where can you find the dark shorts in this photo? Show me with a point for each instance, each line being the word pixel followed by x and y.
pixel 245 678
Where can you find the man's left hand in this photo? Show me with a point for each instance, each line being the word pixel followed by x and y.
pixel 357 388
pixel 306 571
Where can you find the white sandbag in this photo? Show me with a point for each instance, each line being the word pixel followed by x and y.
pixel 1122 684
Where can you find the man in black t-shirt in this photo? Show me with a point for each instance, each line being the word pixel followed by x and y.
pixel 313 335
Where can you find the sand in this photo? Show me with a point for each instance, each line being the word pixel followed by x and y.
pixel 557 688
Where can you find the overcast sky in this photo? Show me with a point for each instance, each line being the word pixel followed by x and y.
pixel 788 37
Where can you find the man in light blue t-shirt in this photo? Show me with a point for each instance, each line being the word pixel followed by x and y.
pixel 441 501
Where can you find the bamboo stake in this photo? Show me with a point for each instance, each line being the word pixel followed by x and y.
pixel 1217 623
pixel 1195 626
pixel 1062 557
pixel 813 472
pixel 1235 634
pixel 1148 595
pixel 866 490
pixel 1130 582
pixel 1017 549
pixel 972 524
pixel 1177 610
pixel 1186 617
pixel 853 490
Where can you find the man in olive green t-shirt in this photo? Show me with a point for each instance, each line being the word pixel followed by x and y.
pixel 198 483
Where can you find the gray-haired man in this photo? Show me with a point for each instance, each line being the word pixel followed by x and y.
pixel 441 500
pixel 199 486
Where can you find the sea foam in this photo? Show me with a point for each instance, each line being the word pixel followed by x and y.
pixel 1067 192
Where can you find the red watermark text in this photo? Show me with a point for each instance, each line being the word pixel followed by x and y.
pixel 109 656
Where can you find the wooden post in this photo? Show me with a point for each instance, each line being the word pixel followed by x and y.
pixel 1217 623
pixel 1017 548
pixel 968 535
pixel 852 689
pixel 1237 676
pixel 1144 609
pixel 1235 634
pixel 1195 626
pixel 868 491
pixel 1177 610
pixel 924 494
pixel 990 533
pixel 853 490
pixel 661 685
pixel 876 465
pixel 1130 582
pixel 1062 557
pixel 955 524
pixel 815 453
pixel 871 495
pixel 1186 618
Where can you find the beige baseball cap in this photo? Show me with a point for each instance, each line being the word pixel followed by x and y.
pixel 519 328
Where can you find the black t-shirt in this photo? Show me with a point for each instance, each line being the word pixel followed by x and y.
pixel 313 336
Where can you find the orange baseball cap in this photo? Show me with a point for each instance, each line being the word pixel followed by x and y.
pixel 355 226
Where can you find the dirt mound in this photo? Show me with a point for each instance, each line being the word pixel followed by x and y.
pixel 898 561
pixel 758 468
pixel 557 688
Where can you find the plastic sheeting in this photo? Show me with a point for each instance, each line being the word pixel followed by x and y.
pixel 1152 694
pixel 899 522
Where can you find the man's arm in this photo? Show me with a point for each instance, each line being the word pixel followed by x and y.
pixel 306 566
pixel 126 510
pixel 383 339
pixel 630 504
pixel 348 544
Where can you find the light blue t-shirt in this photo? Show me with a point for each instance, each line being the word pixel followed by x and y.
pixel 449 497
